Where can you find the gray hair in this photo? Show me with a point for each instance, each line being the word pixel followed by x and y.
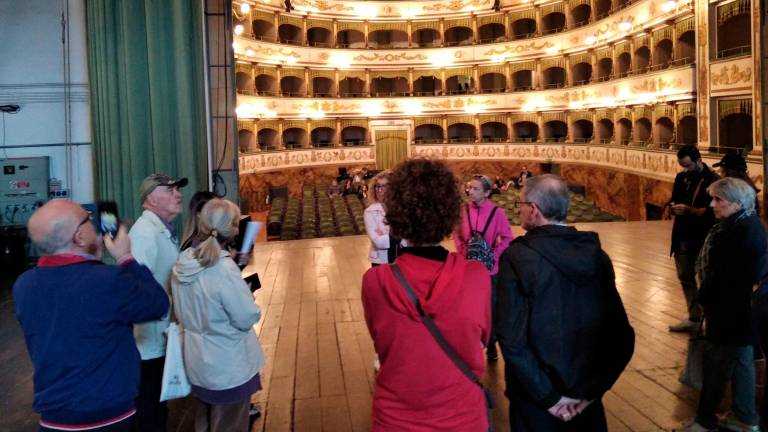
pixel 58 237
pixel 734 190
pixel 550 194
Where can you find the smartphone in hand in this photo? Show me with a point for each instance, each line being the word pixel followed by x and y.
pixel 107 220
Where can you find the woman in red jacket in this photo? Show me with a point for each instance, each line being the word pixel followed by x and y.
pixel 419 388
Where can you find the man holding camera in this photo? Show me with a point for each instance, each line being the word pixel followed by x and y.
pixel 77 316
pixel 154 243
pixel 693 218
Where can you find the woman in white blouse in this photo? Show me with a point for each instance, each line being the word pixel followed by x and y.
pixel 374 215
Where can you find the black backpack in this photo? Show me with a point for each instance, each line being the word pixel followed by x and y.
pixel 477 248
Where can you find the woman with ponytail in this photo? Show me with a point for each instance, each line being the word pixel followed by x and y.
pixel 222 354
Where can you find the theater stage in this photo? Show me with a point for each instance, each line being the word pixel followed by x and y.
pixel 319 374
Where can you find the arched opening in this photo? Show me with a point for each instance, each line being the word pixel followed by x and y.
pixel 427 86
pixel 642 59
pixel 320 37
pixel 553 23
pixel 662 54
pixel 686 130
pixel 323 87
pixel 733 36
pixel 267 139
pixel 455 36
pixel 685 51
pixel 621 4
pixel 522 80
pixel 461 133
pixel 624 134
pixel 580 15
pixel 353 135
pixel 263 30
pixel 735 132
pixel 322 137
pixel 350 39
pixel 555 131
pixel 397 86
pixel 266 85
pixel 605 131
pixel 293 86
pixel 351 87
pixel 428 133
pixel 582 131
pixel 426 38
pixel 524 28
pixel 244 83
pixel 554 77
pixel 493 132
pixel 663 132
pixel 582 73
pixel 493 83
pixel 388 39
pixel 604 69
pixel 246 141
pixel 602 8
pixel 623 65
pixel 290 34
pixel 294 138
pixel 491 32
pixel 525 131
pixel 459 84
pixel 642 132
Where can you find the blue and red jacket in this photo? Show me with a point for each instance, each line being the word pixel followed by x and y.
pixel 77 315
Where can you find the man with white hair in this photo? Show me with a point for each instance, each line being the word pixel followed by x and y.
pixel 561 325
pixel 154 243
pixel 77 315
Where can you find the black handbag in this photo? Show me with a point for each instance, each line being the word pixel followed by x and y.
pixel 432 327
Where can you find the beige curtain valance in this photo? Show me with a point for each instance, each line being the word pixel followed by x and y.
pixel 419 121
pixel 685 25
pixel 324 123
pixel 389 74
pixel 524 117
pixel 552 8
pixel 268 124
pixel 490 19
pixel 292 20
pixel 388 25
pixel 452 120
pixel 623 47
pixel 420 25
pixel 347 73
pixel 573 4
pixel 243 67
pixel 604 53
pixel 426 73
pixel 498 69
pixel 345 123
pixel 552 62
pixel 529 13
pixel 265 70
pixel 603 114
pixel 643 112
pixel 661 34
pixel 493 118
pixel 580 58
pixel 554 116
pixel 517 67
pixel 318 23
pixel 259 15
pixel 622 113
pixel 461 22
pixel 294 124
pixel 248 125
pixel 663 111
pixel 641 41
pixel 286 72
pixel 465 71
pixel 740 106
pixel 350 25
pixel 322 73
pixel 685 109
pixel 730 10
pixel 581 115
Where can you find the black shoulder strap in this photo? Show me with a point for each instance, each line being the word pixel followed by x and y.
pixel 488 222
pixel 432 327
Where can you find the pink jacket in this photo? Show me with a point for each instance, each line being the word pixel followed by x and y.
pixel 498 236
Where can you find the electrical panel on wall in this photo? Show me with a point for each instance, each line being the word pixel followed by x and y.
pixel 23 188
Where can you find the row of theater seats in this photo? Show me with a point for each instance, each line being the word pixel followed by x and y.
pixel 317 215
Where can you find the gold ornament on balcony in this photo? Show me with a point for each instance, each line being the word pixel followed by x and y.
pixel 389 57
pixel 732 75
pixel 321 5
pixel 457 5
pixel 518 49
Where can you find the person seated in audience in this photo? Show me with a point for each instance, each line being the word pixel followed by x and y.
pixel 362 191
pixel 418 386
pixel 349 188
pixel 334 190
pixel 497 185
pixel 524 174
pixel 213 304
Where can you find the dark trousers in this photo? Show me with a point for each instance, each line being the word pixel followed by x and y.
pixel 492 338
pixel 526 416
pixel 151 414
pixel 685 263
pixel 121 426
pixel 722 364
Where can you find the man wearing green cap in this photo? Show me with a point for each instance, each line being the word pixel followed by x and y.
pixel 154 243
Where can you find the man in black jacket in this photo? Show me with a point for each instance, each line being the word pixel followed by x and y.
pixel 693 219
pixel 562 327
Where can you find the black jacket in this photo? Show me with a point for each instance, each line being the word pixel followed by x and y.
pixel 691 189
pixel 561 325
pixel 737 261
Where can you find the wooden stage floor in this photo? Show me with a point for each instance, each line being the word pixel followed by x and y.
pixel 319 374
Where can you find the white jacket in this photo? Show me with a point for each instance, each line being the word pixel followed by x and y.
pixel 217 312
pixel 374 220
pixel 153 245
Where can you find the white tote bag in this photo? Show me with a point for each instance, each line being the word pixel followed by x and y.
pixel 175 384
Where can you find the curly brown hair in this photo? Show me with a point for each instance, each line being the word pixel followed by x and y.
pixel 423 201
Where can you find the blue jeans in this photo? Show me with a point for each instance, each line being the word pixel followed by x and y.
pixel 724 363
pixel 685 263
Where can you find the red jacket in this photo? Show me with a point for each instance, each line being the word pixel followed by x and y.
pixel 418 387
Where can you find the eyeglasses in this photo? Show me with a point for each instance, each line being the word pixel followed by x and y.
pixel 519 203
pixel 380 186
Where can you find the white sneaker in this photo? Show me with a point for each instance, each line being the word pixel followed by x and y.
pixel 685 325
pixel 731 423
pixel 692 426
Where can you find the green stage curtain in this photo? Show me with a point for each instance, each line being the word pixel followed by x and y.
pixel 145 60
